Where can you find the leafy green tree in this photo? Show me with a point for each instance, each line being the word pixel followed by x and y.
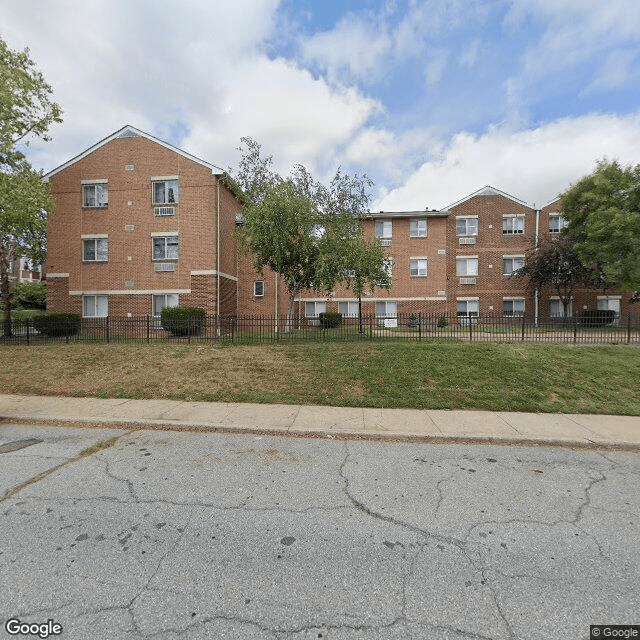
pixel 26 111
pixel 298 227
pixel 30 295
pixel 603 215
pixel 556 266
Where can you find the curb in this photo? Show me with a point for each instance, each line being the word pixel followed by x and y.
pixel 373 436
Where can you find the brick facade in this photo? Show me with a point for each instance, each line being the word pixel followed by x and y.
pixel 119 255
pixel 136 218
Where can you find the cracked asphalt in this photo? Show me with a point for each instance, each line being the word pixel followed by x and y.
pixel 189 536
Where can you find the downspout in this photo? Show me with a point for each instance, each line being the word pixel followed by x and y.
pixel 218 251
pixel 536 293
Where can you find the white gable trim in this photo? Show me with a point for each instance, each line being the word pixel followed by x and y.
pixel 131 132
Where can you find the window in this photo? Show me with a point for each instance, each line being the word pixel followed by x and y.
pixel 95 306
pixel 165 248
pixel 165 191
pixel 258 288
pixel 160 301
pixel 383 229
pixel 468 308
pixel 510 264
pixel 467 266
pixel 95 249
pixel 348 309
pixel 512 307
pixel 418 228
pixel 386 309
pixel 418 266
pixel 95 195
pixel 387 267
pixel 467 226
pixel 556 308
pixel 314 309
pixel 512 225
pixel 556 223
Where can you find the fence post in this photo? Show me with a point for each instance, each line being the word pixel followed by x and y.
pixel 108 336
pixel 628 328
pixel 470 318
pixel 575 329
pixel 370 328
pixel 148 329
pixel 28 323
pixel 522 333
pixel 419 326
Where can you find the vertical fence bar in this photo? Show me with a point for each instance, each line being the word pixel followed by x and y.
pixel 107 329
pixel 522 332
pixel 420 326
pixel 28 323
pixel 575 329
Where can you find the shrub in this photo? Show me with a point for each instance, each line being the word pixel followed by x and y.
pixel 57 324
pixel 182 321
pixel 330 319
pixel 30 295
pixel 443 322
pixel 596 317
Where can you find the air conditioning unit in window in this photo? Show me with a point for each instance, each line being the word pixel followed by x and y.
pixel 466 240
pixel 164 211
pixel 467 280
pixel 384 242
pixel 165 266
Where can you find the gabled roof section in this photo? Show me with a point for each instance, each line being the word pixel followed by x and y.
pixel 489 191
pixel 131 132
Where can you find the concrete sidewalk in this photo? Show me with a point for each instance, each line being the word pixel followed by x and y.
pixel 331 422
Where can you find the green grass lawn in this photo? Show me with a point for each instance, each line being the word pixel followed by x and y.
pixel 428 375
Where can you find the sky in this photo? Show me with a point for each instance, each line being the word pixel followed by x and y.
pixel 432 99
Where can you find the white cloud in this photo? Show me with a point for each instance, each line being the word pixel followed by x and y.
pixel 198 69
pixel 614 72
pixel 534 164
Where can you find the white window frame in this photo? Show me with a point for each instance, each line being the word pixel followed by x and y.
pixel 386 309
pixel 348 309
pixel 96 252
pixel 469 229
pixel 418 267
pixel 514 312
pixel 560 308
pixel 471 307
pixel 94 302
pixel 155 240
pixel 509 264
pixel 170 190
pixel 561 223
pixel 384 229
pixel 167 301
pixel 387 267
pixel 258 288
pixel 418 228
pixel 96 191
pixel 467 270
pixel 513 225
pixel 313 308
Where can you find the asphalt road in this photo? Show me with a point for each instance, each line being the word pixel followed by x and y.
pixel 192 536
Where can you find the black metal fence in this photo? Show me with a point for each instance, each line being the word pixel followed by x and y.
pixel 272 329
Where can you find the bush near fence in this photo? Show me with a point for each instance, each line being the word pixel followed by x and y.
pixel 581 329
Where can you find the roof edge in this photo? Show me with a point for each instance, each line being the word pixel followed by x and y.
pixel 129 131
pixel 490 191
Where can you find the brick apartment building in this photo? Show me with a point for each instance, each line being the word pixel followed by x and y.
pixel 140 225
pixel 23 269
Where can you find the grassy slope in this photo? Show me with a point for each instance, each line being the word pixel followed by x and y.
pixel 546 378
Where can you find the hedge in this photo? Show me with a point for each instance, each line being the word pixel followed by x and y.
pixel 55 325
pixel 182 321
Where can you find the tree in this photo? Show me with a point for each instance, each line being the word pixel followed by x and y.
pixel 26 108
pixel 26 111
pixel 555 265
pixel 603 215
pixel 305 231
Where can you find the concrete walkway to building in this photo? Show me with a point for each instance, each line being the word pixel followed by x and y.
pixel 331 422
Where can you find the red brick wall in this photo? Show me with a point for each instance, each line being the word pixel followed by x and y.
pixel 130 264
